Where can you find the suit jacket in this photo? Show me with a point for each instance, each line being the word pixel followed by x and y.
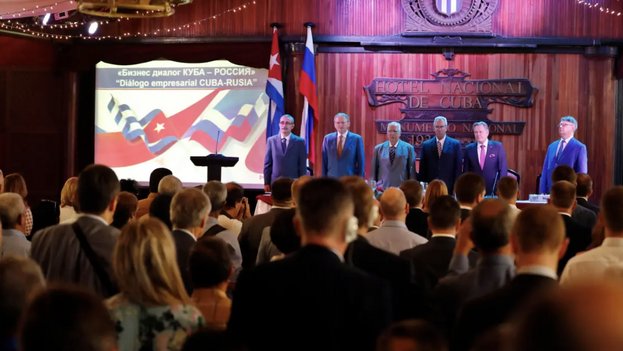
pixel 448 167
pixel 267 249
pixel 58 252
pixel 351 161
pixel 489 311
pixel 495 163
pixel 430 261
pixel 278 164
pixel 417 222
pixel 183 243
pixel 387 174
pixel 465 214
pixel 251 235
pixel 491 272
pixel 584 216
pixel 309 300
pixel 579 239
pixel 574 156
pixel 584 203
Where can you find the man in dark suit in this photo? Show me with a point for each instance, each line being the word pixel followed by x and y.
pixel 566 151
pixel 469 190
pixel 441 157
pixel 538 241
pixel 393 161
pixel 485 157
pixel 562 197
pixel 189 213
pixel 342 151
pixel 430 260
pixel 252 228
pixel 417 220
pixel 491 223
pixel 311 300
pixel 286 154
pixel 584 189
pixel 580 214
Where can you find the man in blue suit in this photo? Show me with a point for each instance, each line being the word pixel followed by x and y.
pixel 566 151
pixel 342 151
pixel 393 161
pixel 441 156
pixel 485 157
pixel 286 154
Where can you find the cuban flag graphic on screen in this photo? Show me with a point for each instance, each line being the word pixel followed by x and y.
pixel 274 89
pixel 307 86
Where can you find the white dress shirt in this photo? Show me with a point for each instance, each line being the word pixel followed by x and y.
pixel 231 224
pixel 594 263
pixel 337 141
pixel 287 139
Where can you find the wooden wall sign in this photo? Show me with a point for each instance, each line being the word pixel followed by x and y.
pixel 450 94
pixel 448 16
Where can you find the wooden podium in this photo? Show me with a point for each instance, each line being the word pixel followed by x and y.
pixel 214 163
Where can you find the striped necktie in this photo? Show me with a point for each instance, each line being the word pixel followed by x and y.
pixel 392 154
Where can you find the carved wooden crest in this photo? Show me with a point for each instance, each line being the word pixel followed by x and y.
pixel 449 16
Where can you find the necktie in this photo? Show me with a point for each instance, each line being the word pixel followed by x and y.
pixel 559 153
pixel 482 156
pixel 392 154
pixel 283 145
pixel 439 148
pixel 339 147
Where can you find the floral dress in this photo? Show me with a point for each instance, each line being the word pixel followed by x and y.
pixel 155 328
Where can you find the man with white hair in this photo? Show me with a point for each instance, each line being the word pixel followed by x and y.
pixel 393 161
pixel 14 241
pixel 441 156
pixel 169 185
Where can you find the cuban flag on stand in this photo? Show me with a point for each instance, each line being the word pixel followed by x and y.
pixel 274 89
pixel 307 86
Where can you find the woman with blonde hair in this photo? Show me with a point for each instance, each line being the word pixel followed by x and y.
pixel 435 189
pixel 152 310
pixel 15 183
pixel 68 199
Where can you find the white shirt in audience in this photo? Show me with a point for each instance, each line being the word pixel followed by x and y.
pixel 231 224
pixel 393 236
pixel 67 212
pixel 594 263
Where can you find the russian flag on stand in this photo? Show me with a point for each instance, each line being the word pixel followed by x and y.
pixel 274 89
pixel 307 86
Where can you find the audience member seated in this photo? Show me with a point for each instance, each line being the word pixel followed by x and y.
pixel 212 340
pixel 68 197
pixel 593 264
pixel 154 180
pixel 488 229
pixel 211 268
pixel 283 235
pixel 169 185
pixel 252 228
pixel 508 190
pixel 14 241
pixel 310 300
pixel 126 209
pixel 469 190
pixel 562 197
pixel 64 318
pixel 131 186
pixel 584 189
pixel 152 310
pixel 267 250
pixel 411 335
pixel 160 208
pixel 235 210
pixel 189 215
pixel 81 253
pixel 20 277
pixel 435 189
pixel 431 260
pixel 580 214
pixel 538 242
pixel 416 219
pixel 15 183
pixel 393 235
pixel 217 193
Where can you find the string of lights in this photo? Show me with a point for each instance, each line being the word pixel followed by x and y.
pixel 17 14
pixel 595 5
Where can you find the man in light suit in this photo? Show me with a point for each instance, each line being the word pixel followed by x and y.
pixel 393 161
pixel 566 151
pixel 342 151
pixel 286 154
pixel 441 157
pixel 485 157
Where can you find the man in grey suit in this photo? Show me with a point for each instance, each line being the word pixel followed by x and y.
pixel 393 161
pixel 489 229
pixel 342 151
pixel 286 154
pixel 58 249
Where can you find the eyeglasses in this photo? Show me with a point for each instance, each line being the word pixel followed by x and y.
pixel 440 127
pixel 565 125
pixel 285 123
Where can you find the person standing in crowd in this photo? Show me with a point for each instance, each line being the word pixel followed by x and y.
pixel 126 209
pixel 508 190
pixel 235 210
pixel 581 214
pixel 417 219
pixel 14 241
pixel 393 161
pixel 441 156
pixel 15 183
pixel 584 189
pixel 565 151
pixel 342 151
pixel 154 180
pixel 286 154
pixel 470 191
pixel 68 199
pixel 485 157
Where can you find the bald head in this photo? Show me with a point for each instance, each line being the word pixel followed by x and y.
pixel 394 205
pixel 491 223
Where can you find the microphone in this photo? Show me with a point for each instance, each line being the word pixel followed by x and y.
pixel 218 134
